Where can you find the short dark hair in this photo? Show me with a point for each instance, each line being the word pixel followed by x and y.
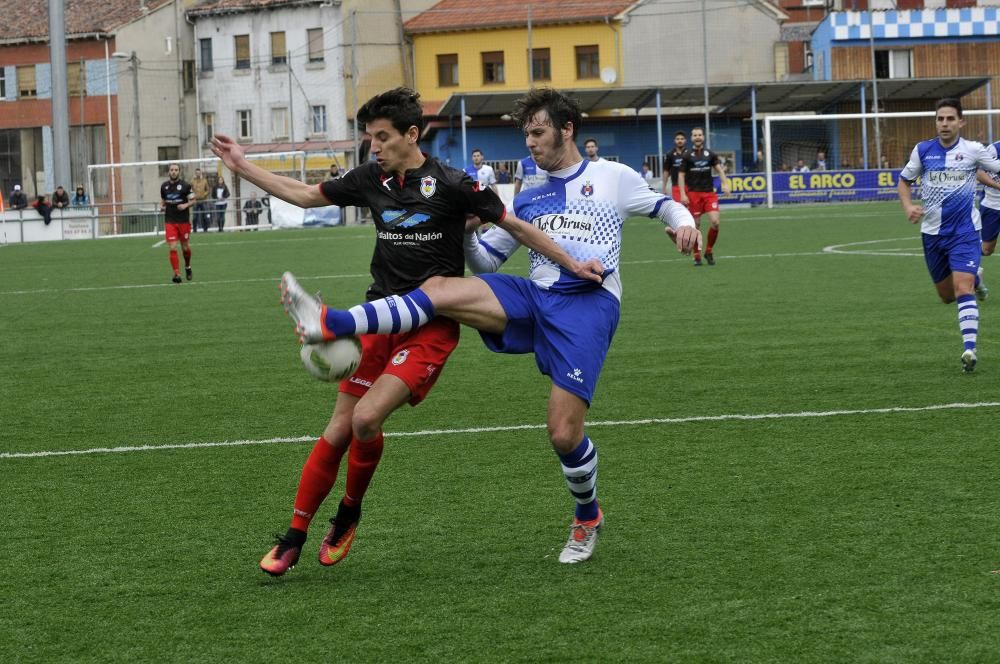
pixel 400 106
pixel 475 150
pixel 680 133
pixel 694 129
pixel 592 140
pixel 561 108
pixel 952 102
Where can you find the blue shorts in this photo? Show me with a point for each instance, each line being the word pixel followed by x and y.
pixel 569 333
pixel 952 253
pixel 991 223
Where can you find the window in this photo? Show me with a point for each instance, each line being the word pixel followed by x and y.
pixel 541 64
pixel 279 54
pixel 588 62
pixel 892 64
pixel 205 50
pixel 74 79
pixel 279 123
pixel 244 126
pixel 3 84
pixel 448 70
pixel 208 126
pixel 242 45
pixel 26 81
pixel 493 67
pixel 166 154
pixel 188 75
pixel 319 119
pixel 315 38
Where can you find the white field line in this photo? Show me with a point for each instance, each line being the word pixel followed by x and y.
pixel 517 427
pixel 849 248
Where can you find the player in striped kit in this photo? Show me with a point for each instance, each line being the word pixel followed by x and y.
pixel 989 210
pixel 949 221
pixel 566 322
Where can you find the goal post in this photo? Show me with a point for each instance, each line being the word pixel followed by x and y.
pixel 863 153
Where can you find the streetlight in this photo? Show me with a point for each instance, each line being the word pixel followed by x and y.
pixel 134 61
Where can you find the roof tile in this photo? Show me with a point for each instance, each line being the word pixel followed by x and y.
pixel 477 15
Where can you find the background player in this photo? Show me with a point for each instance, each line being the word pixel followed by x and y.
pixel 989 209
pixel 698 191
pixel 949 221
pixel 568 323
pixel 529 175
pixel 419 207
pixel 482 171
pixel 175 199
pixel 591 148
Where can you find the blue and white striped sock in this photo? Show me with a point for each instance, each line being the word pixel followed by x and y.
pixel 390 315
pixel 968 320
pixel 580 469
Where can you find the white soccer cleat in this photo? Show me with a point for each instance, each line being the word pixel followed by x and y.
pixel 969 361
pixel 582 540
pixel 306 310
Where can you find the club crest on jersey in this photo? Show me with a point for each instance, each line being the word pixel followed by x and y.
pixel 428 186
pixel 400 357
pixel 178 187
pixel 587 189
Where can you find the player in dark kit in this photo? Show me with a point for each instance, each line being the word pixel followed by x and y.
pixel 175 199
pixel 698 191
pixel 419 206
pixel 672 164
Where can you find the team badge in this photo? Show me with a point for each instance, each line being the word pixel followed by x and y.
pixel 178 187
pixel 428 186
pixel 587 189
pixel 400 357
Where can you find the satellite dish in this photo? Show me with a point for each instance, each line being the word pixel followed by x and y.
pixel 609 75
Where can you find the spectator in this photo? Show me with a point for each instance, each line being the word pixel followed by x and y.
pixel 785 167
pixel 884 162
pixel 647 174
pixel 845 165
pixel 820 163
pixel 202 214
pixel 800 166
pixel 221 202
pixel 334 173
pixel 43 208
pixel 18 201
pixel 503 174
pixel 60 199
pixel 251 210
pixel 80 197
pixel 758 166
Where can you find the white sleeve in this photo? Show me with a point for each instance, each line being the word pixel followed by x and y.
pixel 636 198
pixel 491 176
pixel 488 253
pixel 913 167
pixel 987 159
pixel 519 171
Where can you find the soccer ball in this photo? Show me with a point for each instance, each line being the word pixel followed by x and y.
pixel 332 361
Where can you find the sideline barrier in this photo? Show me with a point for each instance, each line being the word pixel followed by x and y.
pixel 812 187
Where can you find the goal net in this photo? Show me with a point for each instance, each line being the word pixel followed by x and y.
pixel 850 157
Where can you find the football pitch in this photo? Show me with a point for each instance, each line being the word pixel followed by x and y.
pixel 793 466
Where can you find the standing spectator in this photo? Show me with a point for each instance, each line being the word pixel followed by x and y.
pixel 759 165
pixel 482 171
pixel 251 210
pixel 60 199
pixel 80 197
pixel 503 174
pixel 199 186
pixel 884 163
pixel 647 174
pixel 591 147
pixel 18 201
pixel 44 208
pixel 175 199
pixel 221 202
pixel 334 173
pixel 820 163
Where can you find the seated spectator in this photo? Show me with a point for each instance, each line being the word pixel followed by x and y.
pixel 43 207
pixel 60 199
pixel 820 163
pixel 18 201
pixel 800 166
pixel 80 197
pixel 503 174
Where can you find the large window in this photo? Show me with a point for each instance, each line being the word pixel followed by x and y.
pixel 315 38
pixel 74 79
pixel 26 86
pixel 3 84
pixel 205 51
pixel 893 64
pixel 242 47
pixel 244 125
pixel 448 70
pixel 541 64
pixel 319 119
pixel 493 67
pixel 279 123
pixel 188 76
pixel 167 153
pixel 588 62
pixel 208 126
pixel 279 54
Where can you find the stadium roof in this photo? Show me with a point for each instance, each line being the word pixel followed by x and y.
pixel 477 15
pixel 29 21
pixel 731 99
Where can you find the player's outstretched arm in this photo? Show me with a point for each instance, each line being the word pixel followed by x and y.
pixel 285 188
pixel 984 179
pixel 533 238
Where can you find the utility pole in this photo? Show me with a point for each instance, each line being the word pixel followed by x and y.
pixel 60 94
pixel 133 60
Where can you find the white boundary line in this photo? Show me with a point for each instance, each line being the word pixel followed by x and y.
pixel 518 427
pixel 840 248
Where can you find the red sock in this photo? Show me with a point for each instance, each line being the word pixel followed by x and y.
pixel 362 461
pixel 187 257
pixel 318 475
pixel 174 262
pixel 713 234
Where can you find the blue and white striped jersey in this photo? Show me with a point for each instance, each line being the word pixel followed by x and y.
pixel 530 174
pixel 582 208
pixel 948 184
pixel 991 199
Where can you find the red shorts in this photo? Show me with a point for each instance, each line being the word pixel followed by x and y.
pixel 416 358
pixel 700 202
pixel 675 193
pixel 174 231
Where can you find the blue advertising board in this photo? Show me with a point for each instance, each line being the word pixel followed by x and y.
pixel 812 187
